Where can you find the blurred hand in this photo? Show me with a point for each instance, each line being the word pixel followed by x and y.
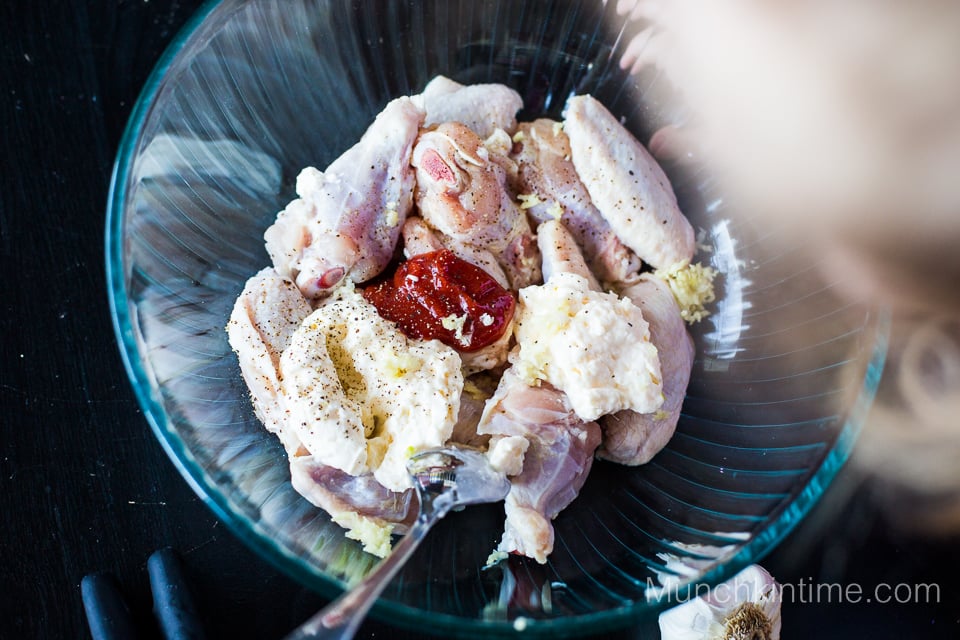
pixel 841 118
pixel 841 121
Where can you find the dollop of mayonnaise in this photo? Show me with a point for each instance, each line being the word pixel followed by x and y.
pixel 594 346
pixel 362 396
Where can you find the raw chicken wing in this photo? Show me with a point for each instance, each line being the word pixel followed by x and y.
pixel 627 185
pixel 348 218
pixel 483 108
pixel 559 444
pixel 551 187
pixel 354 502
pixel 634 438
pixel 265 316
pixel 561 254
pixel 462 194
pixel 555 466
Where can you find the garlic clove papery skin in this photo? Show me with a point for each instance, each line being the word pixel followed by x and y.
pixel 746 607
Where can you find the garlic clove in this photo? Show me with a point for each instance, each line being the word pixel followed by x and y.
pixel 746 607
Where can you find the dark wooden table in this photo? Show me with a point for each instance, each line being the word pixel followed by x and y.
pixel 85 487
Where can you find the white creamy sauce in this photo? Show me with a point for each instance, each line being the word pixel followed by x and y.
pixel 594 346
pixel 362 396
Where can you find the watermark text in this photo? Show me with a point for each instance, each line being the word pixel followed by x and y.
pixel 809 591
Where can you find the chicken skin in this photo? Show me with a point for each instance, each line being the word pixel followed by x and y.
pixel 559 449
pixel 462 193
pixel 627 185
pixel 347 220
pixel 483 108
pixel 633 438
pixel 551 188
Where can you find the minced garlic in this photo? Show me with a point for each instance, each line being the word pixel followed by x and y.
pixel 397 365
pixel 555 211
pixel 455 323
pixel 392 217
pixel 374 537
pixel 528 200
pixel 692 287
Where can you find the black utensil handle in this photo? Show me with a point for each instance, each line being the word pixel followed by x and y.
pixel 108 616
pixel 172 603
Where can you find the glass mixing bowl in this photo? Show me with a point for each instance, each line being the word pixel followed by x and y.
pixel 252 92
